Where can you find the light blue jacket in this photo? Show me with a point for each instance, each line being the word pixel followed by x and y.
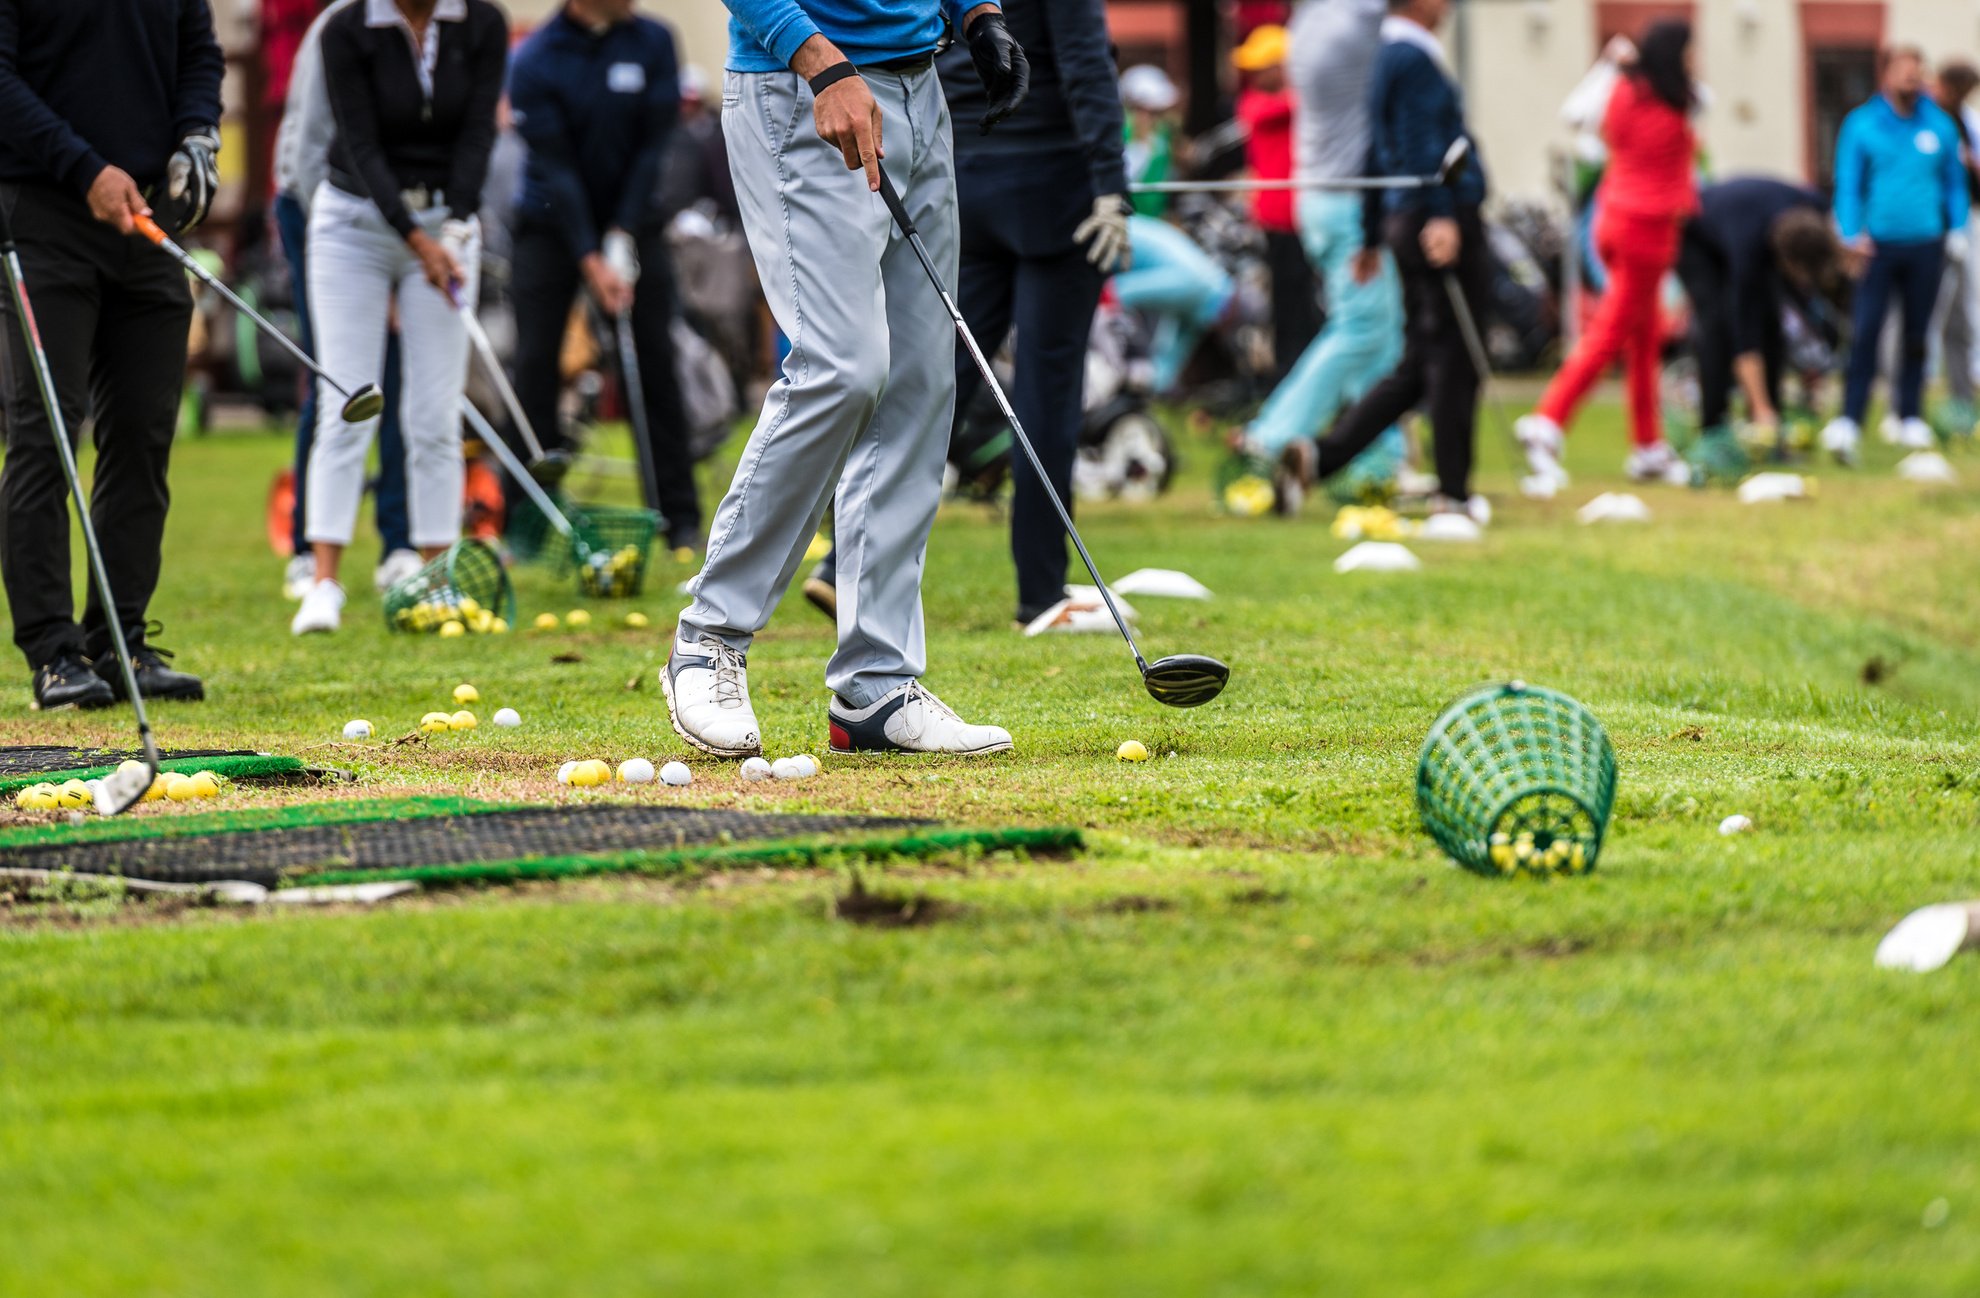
pixel 765 34
pixel 1899 179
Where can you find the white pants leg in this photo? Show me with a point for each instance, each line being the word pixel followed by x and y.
pixel 357 265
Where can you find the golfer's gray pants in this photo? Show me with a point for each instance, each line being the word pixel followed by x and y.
pixel 864 400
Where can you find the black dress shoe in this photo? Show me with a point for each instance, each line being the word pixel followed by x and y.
pixel 155 679
pixel 68 682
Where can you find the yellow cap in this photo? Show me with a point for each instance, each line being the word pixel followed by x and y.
pixel 1264 48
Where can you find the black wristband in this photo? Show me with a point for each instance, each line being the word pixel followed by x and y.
pixel 832 76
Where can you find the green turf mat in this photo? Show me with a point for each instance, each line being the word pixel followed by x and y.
pixel 254 766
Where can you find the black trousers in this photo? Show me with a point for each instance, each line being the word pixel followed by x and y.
pixel 546 282
pixel 113 313
pixel 1295 299
pixel 1707 282
pixel 1021 270
pixel 1436 370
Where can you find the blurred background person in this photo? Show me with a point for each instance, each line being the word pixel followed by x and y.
pixel 595 92
pixel 1150 98
pixel 1958 334
pixel 394 225
pixel 1900 190
pixel 1647 193
pixel 302 160
pixel 1265 108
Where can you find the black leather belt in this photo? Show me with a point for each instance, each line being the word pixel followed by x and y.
pixel 911 64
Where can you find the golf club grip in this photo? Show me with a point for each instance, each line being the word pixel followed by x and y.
pixel 892 198
pixel 150 229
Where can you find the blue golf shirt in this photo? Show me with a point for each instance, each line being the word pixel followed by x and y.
pixel 1899 178
pixel 764 35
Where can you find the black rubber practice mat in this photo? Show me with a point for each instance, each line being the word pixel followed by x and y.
pixel 35 759
pixel 264 856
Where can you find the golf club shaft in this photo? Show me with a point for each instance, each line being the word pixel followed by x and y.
pixel 635 394
pixel 479 337
pixel 513 464
pixel 1347 185
pixel 52 403
pixel 150 230
pixel 1474 342
pixel 913 236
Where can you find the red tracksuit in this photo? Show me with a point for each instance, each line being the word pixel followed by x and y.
pixel 1647 193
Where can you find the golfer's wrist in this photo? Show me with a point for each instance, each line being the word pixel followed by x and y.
pixel 815 55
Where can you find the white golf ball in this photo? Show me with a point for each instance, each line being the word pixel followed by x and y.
pixel 635 770
pixel 507 717
pixel 1735 825
pixel 807 764
pixel 564 772
pixel 676 774
pixel 755 768
pixel 357 730
pixel 785 768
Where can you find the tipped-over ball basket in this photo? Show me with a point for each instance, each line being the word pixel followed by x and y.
pixel 466 586
pixel 1515 779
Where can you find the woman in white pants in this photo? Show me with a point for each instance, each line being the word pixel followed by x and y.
pixel 413 85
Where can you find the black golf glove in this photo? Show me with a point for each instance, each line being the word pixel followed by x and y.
pixel 1001 64
pixel 191 179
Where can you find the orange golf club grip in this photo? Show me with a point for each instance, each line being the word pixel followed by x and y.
pixel 149 229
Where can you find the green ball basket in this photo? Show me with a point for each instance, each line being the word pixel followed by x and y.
pixel 528 533
pixel 1515 779
pixel 1243 484
pixel 467 584
pixel 611 549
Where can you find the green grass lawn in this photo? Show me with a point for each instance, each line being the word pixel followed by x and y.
pixel 1258 1039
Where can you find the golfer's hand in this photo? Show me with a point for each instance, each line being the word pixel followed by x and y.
pixel 1105 234
pixel 610 288
pixel 435 262
pixel 1441 241
pixel 1000 62
pixel 115 200
pixel 1856 255
pixel 845 114
pixel 1366 266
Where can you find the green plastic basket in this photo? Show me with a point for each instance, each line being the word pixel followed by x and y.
pixel 529 534
pixel 466 585
pixel 611 549
pixel 1515 779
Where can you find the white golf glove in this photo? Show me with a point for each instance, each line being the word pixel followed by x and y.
pixel 621 256
pixel 1105 234
pixel 1958 244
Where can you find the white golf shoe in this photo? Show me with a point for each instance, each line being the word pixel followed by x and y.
pixel 1841 438
pixel 299 576
pixel 1915 434
pixel 395 568
pixel 1657 462
pixel 1542 440
pixel 707 689
pixel 322 610
pixel 910 720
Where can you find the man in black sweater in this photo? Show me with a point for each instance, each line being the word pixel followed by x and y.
pixel 111 107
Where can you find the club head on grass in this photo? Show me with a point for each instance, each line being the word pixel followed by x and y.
pixel 120 790
pixel 1186 680
pixel 365 404
pixel 551 469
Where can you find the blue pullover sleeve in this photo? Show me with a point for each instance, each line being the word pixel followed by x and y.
pixel 196 94
pixel 779 26
pixel 662 108
pixel 1415 143
pixel 1092 90
pixel 1852 174
pixel 544 126
pixel 957 8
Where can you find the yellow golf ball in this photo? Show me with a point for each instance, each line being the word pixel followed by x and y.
pixel 73 793
pixel 546 622
pixel 435 723
pixel 1132 751
pixel 577 617
pixel 180 787
pixel 637 620
pixel 156 791
pixel 205 784
pixel 450 629
pixel 498 626
pixel 470 605
pixel 465 694
pixel 591 774
pixel 462 720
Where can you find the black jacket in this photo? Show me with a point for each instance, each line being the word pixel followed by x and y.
pixel 1075 99
pixel 89 84
pixel 391 135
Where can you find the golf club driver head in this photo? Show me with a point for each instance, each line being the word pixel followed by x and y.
pixel 1185 680
pixel 363 405
pixel 552 469
pixel 120 790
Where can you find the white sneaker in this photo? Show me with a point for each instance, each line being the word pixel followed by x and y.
pixel 1541 439
pixel 1841 438
pixel 1657 462
pixel 910 720
pixel 1890 430
pixel 299 576
pixel 395 568
pixel 1915 434
pixel 322 610
pixel 707 689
